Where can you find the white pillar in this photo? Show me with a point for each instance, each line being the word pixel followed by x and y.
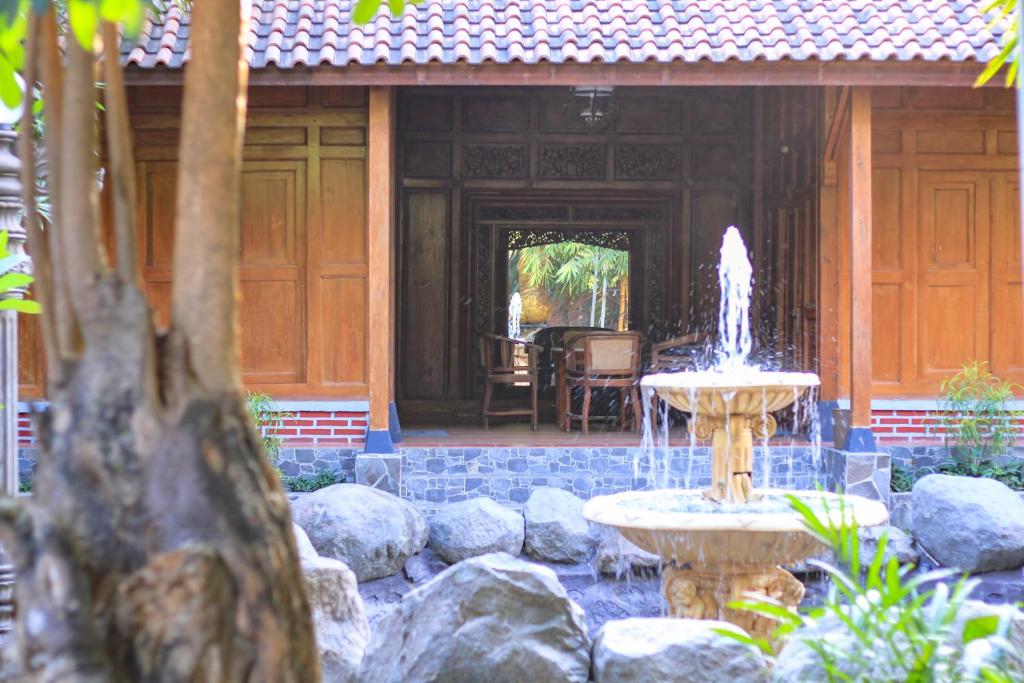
pixel 10 220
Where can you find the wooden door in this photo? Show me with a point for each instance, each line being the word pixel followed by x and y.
pixel 953 272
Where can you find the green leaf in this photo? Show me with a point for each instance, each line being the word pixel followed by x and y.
pixel 20 305
pixel 365 11
pixel 981 627
pixel 10 89
pixel 740 637
pixel 14 281
pixel 83 15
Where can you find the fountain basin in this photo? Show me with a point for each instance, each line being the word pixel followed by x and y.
pixel 680 526
pixel 717 554
pixel 745 391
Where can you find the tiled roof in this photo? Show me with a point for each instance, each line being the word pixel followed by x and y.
pixel 293 33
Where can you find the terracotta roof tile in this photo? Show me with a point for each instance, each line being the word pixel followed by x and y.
pixel 299 33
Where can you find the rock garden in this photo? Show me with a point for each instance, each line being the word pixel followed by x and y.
pixel 480 591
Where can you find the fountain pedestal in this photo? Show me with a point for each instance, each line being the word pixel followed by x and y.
pixel 732 453
pixel 706 592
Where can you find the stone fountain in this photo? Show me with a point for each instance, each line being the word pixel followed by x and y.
pixel 727 543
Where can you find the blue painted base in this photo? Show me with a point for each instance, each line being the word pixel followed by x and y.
pixel 394 426
pixel 860 440
pixel 378 441
pixel 826 420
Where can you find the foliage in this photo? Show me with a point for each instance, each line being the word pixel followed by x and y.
pixel 1004 12
pixel 25 485
pixel 976 417
pixel 1009 473
pixel 267 418
pixel 902 479
pixel 571 268
pixel 308 484
pixel 900 625
pixel 11 280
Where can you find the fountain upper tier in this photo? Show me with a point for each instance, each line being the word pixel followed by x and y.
pixel 716 394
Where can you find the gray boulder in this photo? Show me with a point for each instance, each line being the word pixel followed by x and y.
pixel 371 531
pixel 342 630
pixel 490 618
pixel 304 545
pixel 976 525
pixel 555 528
pixel 898 545
pixel 665 649
pixel 618 557
pixel 475 527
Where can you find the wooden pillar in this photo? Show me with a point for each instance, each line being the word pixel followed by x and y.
pixel 380 220
pixel 859 436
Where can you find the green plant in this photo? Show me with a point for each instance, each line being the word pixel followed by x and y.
pixel 267 419
pixel 896 625
pixel 1010 473
pixel 902 479
pixel 25 485
pixel 976 417
pixel 307 484
pixel 11 280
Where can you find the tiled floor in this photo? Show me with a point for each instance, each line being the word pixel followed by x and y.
pixel 520 435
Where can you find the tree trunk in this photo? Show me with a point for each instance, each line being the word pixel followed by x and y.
pixel 604 299
pixel 158 543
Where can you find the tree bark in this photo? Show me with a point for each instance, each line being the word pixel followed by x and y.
pixel 207 212
pixel 158 544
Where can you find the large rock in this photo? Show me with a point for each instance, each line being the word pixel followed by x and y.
pixel 665 649
pixel 898 544
pixel 303 544
pixel 555 528
pixel 371 531
pixel 342 630
pixel 618 557
pixel 976 525
pixel 475 527
pixel 490 618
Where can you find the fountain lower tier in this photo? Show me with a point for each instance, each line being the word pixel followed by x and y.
pixel 716 553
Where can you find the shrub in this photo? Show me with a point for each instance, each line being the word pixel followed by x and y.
pixel 267 418
pixel 308 484
pixel 976 416
pixel 894 624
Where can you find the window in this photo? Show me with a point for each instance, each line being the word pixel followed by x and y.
pixel 567 284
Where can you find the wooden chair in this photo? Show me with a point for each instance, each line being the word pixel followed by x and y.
pixel 608 361
pixel 501 365
pixel 675 355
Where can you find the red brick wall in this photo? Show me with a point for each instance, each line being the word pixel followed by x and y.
pixel 305 428
pixel 895 426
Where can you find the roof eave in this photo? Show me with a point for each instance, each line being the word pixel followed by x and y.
pixel 733 73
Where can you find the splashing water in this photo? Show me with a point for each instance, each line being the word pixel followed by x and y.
pixel 735 278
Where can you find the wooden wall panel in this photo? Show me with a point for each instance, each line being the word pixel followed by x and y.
pixel 344 315
pixel 946 233
pixel 303 260
pixel 425 276
pixel 343 236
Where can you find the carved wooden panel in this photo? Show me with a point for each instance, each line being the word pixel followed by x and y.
pixel 572 162
pixel 886 338
pixel 714 161
pixel 425 275
pixel 495 161
pixel 887 219
pixel 647 162
pixel 31 361
pixel 1007 323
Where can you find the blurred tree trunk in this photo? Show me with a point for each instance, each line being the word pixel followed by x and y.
pixel 158 543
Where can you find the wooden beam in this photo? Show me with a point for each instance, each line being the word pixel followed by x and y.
pixel 835 131
pixel 379 227
pixel 782 72
pixel 860 259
